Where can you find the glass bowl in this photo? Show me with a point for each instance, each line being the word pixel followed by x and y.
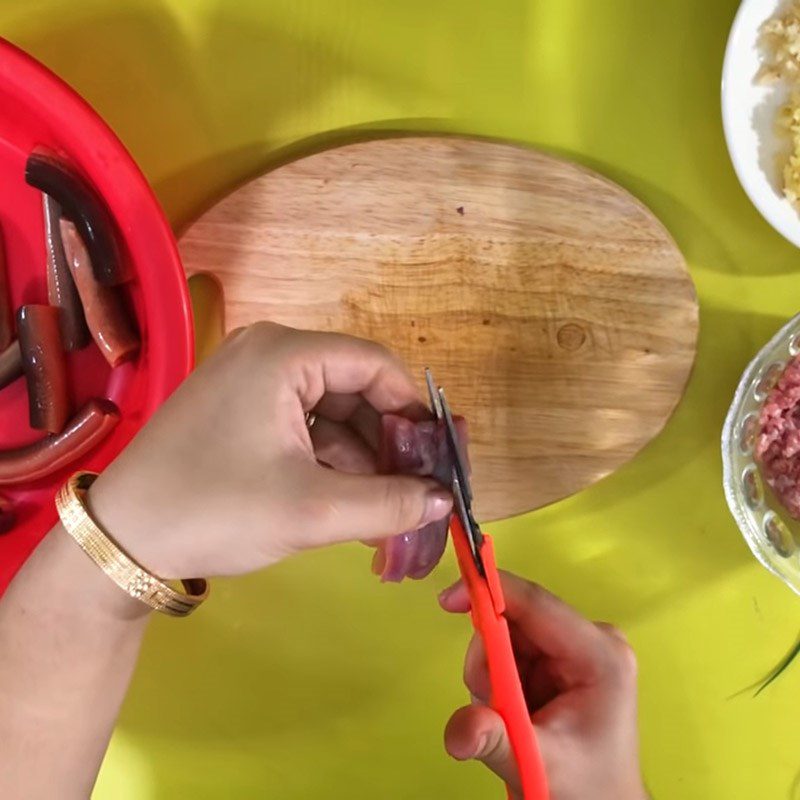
pixel 771 533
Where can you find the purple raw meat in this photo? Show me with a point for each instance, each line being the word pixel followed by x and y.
pixel 7 516
pixel 415 448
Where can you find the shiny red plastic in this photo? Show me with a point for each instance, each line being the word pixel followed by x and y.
pixel 40 110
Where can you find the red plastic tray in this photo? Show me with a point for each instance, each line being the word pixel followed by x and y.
pixel 41 110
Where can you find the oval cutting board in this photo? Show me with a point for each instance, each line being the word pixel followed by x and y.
pixel 553 306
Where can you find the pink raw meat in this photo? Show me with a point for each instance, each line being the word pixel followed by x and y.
pixel 415 448
pixel 778 441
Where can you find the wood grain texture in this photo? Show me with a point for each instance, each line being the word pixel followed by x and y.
pixel 552 305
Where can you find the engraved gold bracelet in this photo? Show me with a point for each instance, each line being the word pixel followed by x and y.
pixel 130 576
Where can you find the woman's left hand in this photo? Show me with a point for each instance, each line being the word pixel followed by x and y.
pixel 227 478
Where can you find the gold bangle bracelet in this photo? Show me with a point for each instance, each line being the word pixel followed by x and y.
pixel 129 575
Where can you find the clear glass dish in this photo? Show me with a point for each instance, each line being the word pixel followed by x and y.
pixel 771 533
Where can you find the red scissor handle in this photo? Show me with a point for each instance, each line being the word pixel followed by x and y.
pixel 508 700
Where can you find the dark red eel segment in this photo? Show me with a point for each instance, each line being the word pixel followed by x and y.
pixel 7 516
pixel 85 430
pixel 110 323
pixel 10 364
pixel 81 204
pixel 45 367
pixel 6 328
pixel 61 290
pixel 414 448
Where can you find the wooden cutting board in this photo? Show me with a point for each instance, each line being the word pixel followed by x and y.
pixel 553 306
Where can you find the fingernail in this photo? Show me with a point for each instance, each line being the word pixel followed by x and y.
pixel 445 593
pixel 437 504
pixel 481 748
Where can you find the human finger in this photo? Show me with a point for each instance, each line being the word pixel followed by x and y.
pixel 340 447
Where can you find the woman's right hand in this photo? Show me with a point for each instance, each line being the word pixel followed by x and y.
pixel 579 679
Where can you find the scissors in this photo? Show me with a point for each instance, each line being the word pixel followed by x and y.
pixel 475 554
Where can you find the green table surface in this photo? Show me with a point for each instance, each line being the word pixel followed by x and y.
pixel 311 679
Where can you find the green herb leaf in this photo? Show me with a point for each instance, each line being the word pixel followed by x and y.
pixel 774 673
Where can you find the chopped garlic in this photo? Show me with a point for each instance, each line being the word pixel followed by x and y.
pixel 780 38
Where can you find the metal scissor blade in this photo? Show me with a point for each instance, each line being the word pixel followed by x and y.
pixel 462 492
pixel 452 438
pixel 436 403
pixel 471 529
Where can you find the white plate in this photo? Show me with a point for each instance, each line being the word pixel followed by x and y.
pixel 748 116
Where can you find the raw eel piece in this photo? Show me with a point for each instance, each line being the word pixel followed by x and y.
pixel 110 323
pixel 81 204
pixel 7 516
pixel 414 448
pixel 10 364
pixel 6 327
pixel 84 431
pixel 45 367
pixel 61 289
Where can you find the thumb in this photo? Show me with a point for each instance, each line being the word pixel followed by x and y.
pixel 477 732
pixel 375 506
